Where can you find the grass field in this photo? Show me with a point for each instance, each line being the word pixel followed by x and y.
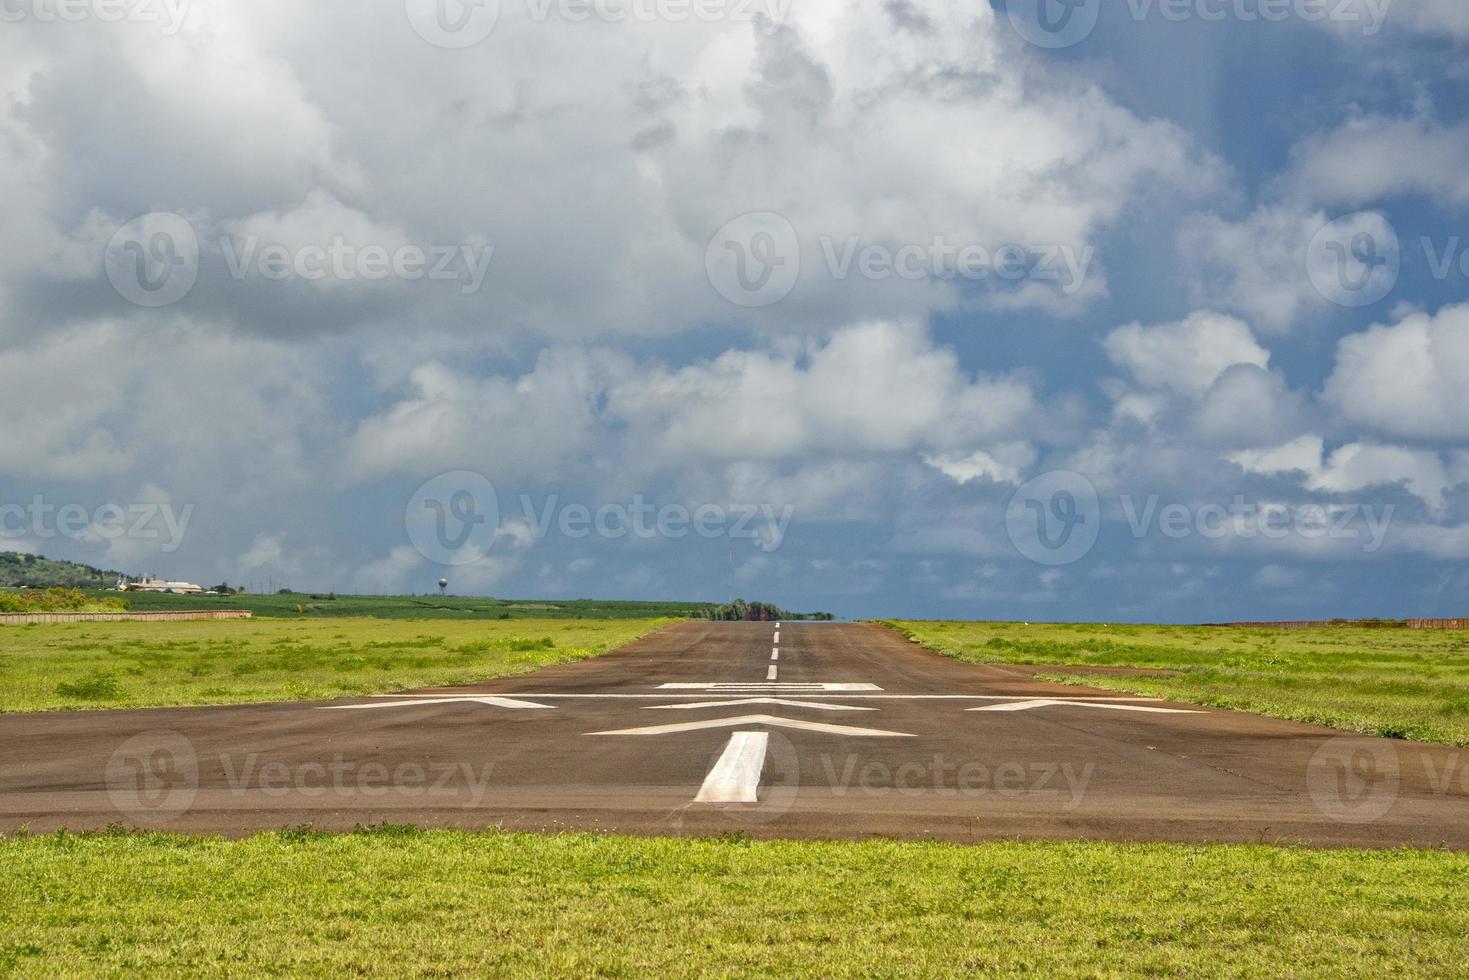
pixel 294 605
pixel 401 902
pixel 114 665
pixel 1397 683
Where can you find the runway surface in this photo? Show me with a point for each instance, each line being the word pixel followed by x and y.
pixel 795 730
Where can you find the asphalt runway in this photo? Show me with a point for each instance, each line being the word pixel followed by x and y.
pixel 793 730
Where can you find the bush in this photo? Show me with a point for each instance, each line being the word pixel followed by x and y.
pixel 57 600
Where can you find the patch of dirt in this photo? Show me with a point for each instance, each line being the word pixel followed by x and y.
pixel 1034 669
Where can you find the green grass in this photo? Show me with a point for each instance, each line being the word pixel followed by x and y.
pixel 296 605
pixel 115 665
pixel 398 902
pixel 1397 683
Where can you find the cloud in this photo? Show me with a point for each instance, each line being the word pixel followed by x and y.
pixel 527 426
pixel 823 119
pixel 1355 467
pixel 1263 265
pixel 1187 356
pixel 1249 406
pixel 1372 157
pixel 1004 464
pixel 871 388
pixel 1406 380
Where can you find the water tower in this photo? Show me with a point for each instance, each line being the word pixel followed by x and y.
pixel 443 584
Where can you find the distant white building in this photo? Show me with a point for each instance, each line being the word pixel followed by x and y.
pixel 159 585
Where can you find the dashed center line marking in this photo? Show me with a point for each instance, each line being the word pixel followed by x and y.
pixel 735 778
pixel 774 654
pixel 771 673
pixel 777 636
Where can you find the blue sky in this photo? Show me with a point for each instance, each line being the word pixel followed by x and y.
pixel 875 307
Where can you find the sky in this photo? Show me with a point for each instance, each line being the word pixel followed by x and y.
pixel 1118 310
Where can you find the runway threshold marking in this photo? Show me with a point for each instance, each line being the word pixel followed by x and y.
pixel 782 701
pixel 1051 703
pixel 770 720
pixel 735 778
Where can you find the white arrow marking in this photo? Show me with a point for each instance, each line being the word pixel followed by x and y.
pixel 735 778
pixel 1049 703
pixel 725 704
pixel 805 726
pixel 772 672
pixel 477 699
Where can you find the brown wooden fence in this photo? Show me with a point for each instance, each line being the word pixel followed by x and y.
pixel 26 619
pixel 1316 624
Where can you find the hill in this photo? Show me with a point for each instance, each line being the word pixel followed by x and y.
pixel 297 604
pixel 39 572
